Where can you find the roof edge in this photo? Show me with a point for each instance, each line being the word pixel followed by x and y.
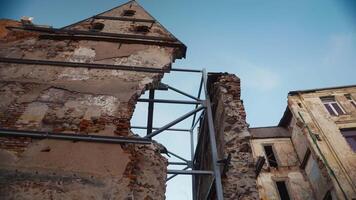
pixel 319 89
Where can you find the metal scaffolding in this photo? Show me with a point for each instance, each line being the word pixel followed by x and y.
pixel 202 114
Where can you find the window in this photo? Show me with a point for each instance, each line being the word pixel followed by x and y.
pixel 128 13
pixel 350 136
pixel 97 26
pixel 332 106
pixel 142 29
pixel 271 158
pixel 350 99
pixel 282 190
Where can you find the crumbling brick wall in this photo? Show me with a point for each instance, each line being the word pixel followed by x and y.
pixel 80 101
pixel 238 174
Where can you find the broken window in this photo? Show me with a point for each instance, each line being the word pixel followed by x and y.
pixel 332 106
pixel 97 26
pixel 271 158
pixel 350 136
pixel 328 196
pixel 128 13
pixel 142 29
pixel 282 190
pixel 350 99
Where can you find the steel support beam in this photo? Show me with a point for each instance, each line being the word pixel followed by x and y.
pixel 156 128
pixel 175 155
pixel 214 151
pixel 186 70
pixel 174 175
pixel 192 163
pixel 150 111
pixel 177 163
pixel 170 101
pixel 84 65
pixel 181 92
pixel 190 172
pixel 156 132
pixel 124 19
pixel 74 137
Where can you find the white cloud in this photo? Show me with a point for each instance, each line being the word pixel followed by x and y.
pixel 258 77
pixel 339 49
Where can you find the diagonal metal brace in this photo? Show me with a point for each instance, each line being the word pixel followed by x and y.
pixel 158 131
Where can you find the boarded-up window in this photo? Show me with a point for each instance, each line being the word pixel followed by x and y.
pixel 332 106
pixel 350 136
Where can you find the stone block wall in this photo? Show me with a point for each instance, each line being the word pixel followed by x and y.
pixel 238 175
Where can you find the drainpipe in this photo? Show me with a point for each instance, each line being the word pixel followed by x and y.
pixel 327 142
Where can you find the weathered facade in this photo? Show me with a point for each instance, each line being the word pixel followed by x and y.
pixel 117 55
pixel 311 153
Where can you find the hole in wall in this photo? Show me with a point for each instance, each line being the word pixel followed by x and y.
pixel 142 29
pixel 97 26
pixel 128 13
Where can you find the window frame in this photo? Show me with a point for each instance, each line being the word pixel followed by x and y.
pixel 329 102
pixel 349 135
pixel 350 99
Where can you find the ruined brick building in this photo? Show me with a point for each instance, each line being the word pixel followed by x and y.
pixel 67 97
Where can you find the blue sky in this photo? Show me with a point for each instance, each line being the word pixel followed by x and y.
pixel 273 46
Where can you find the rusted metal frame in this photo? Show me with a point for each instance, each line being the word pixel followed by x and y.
pixel 124 19
pixel 181 92
pixel 79 32
pixel 73 137
pixel 212 139
pixel 170 101
pixel 84 65
pixel 150 111
pixel 155 128
pixel 176 121
pixel 111 39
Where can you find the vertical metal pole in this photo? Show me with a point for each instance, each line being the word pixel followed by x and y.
pixel 150 111
pixel 192 162
pixel 214 152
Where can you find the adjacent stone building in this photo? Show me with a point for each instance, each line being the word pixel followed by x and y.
pixel 311 153
pixel 82 79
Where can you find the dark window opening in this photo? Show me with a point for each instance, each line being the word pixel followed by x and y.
pixel 97 26
pixel 128 13
pixel 142 29
pixel 305 159
pixel 328 196
pixel 350 136
pixel 282 190
pixel 270 156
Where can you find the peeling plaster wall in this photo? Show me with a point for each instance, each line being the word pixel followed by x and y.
pixel 80 101
pixel 238 176
pixel 288 170
pixel 337 152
